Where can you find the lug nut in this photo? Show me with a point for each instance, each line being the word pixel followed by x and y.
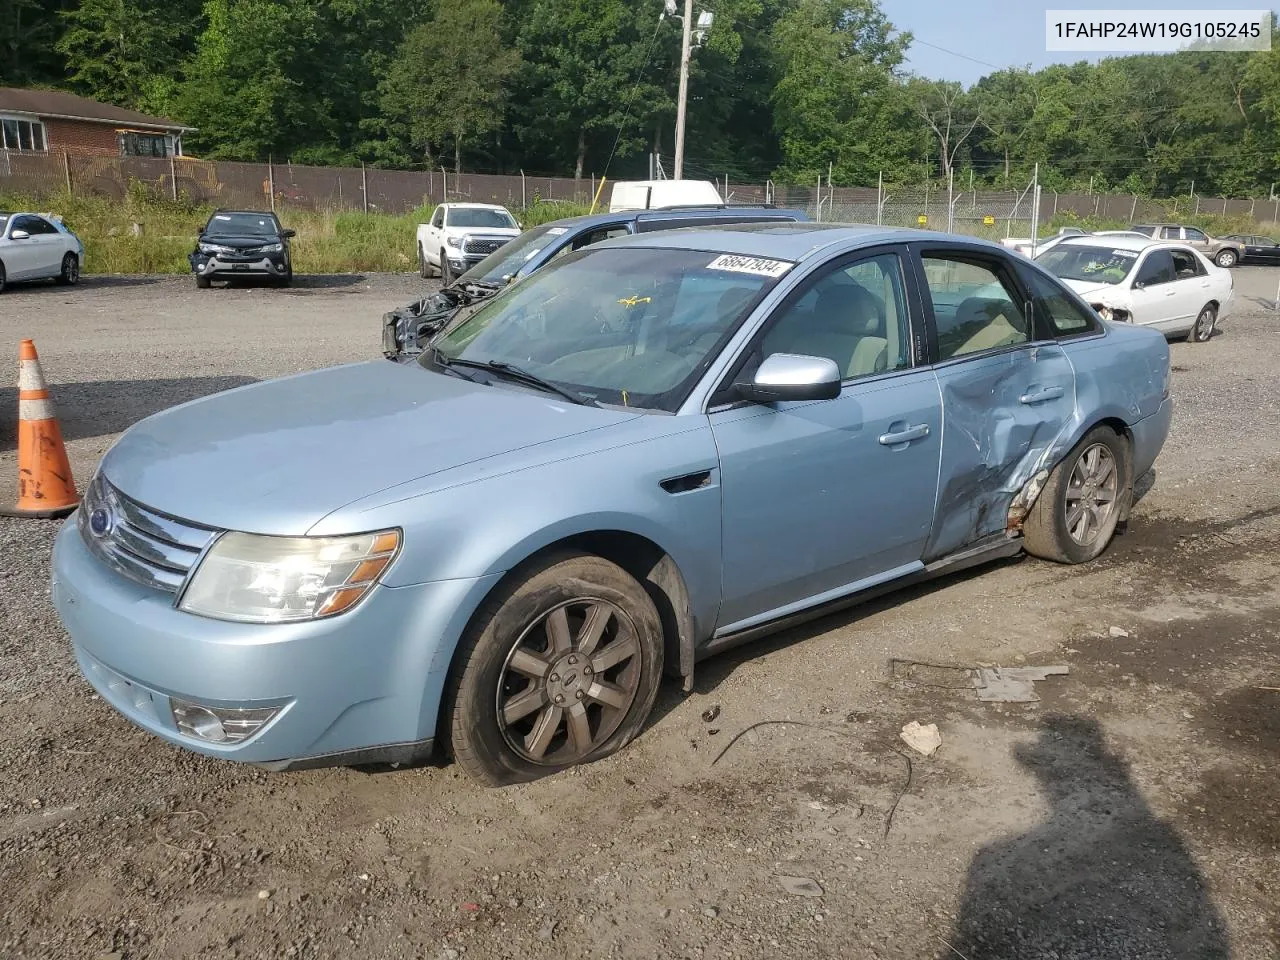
pixel 586 671
pixel 559 698
pixel 578 694
pixel 573 659
pixel 555 678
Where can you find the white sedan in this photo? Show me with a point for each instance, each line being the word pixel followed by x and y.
pixel 1166 286
pixel 37 247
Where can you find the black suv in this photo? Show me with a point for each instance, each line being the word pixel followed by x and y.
pixel 242 243
pixel 405 331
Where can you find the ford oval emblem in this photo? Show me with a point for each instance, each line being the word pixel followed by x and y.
pixel 100 522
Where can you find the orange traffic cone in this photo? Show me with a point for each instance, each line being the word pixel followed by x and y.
pixel 45 487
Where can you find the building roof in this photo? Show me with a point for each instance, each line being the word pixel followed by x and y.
pixel 58 105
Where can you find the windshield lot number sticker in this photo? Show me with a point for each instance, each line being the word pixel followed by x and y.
pixel 757 266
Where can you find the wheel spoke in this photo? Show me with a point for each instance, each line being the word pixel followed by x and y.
pixel 1075 489
pixel 593 628
pixel 1086 521
pixel 524 703
pixel 1103 495
pixel 1074 513
pixel 623 648
pixel 529 663
pixel 1106 466
pixel 579 729
pixel 558 630
pixel 610 694
pixel 539 737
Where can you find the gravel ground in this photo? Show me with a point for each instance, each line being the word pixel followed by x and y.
pixel 1134 812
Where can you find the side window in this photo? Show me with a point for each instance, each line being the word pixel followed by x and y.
pixel 1186 265
pixel 1169 233
pixel 40 225
pixel 1061 315
pixel 973 308
pixel 1155 270
pixel 24 223
pixel 1194 234
pixel 602 233
pixel 855 315
pixel 437 220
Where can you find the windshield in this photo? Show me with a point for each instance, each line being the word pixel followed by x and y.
pixel 478 217
pixel 633 326
pixel 1094 264
pixel 242 224
pixel 4 221
pixel 506 261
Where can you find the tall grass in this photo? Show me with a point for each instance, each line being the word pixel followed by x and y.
pixel 146 234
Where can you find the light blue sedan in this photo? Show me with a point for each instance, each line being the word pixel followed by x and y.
pixel 643 454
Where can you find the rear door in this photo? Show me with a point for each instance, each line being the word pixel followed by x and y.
pixel 1008 390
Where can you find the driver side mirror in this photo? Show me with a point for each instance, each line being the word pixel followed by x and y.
pixel 790 376
pixel 19 235
pixel 287 234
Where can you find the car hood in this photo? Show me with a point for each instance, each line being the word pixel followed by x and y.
pixel 1089 288
pixel 239 241
pixel 276 457
pixel 484 231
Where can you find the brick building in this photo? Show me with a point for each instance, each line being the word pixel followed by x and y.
pixel 40 121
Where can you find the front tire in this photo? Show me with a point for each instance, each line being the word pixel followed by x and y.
pixel 1226 258
pixel 70 274
pixel 424 271
pixel 1205 324
pixel 560 667
pixel 2 278
pixel 446 272
pixel 203 283
pixel 1077 512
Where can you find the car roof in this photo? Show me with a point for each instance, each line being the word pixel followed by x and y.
pixel 1115 242
pixel 786 241
pixel 675 213
pixel 251 213
pixel 474 206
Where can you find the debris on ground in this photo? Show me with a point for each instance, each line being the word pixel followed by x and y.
pixel 1118 632
pixel 709 715
pixel 921 738
pixel 800 886
pixel 1012 684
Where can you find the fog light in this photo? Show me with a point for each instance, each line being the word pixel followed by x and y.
pixel 219 724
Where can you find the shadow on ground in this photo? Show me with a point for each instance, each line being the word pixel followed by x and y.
pixel 104 407
pixel 1102 876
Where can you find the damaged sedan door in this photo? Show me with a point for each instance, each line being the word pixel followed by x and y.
pixel 1007 395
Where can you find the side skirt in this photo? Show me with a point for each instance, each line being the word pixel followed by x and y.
pixel 995 548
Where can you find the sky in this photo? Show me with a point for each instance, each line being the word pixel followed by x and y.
pixel 1002 33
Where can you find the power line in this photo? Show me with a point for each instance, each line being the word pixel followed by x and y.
pixel 626 114
pixel 962 56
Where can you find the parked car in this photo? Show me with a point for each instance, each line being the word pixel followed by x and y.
pixel 1168 287
pixel 405 331
pixel 645 453
pixel 658 194
pixel 1256 249
pixel 1023 244
pixel 36 246
pixel 1224 252
pixel 242 243
pixel 460 235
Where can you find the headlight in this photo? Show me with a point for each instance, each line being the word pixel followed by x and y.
pixel 275 248
pixel 212 248
pixel 453 241
pixel 257 579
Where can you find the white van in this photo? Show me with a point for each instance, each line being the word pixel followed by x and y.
pixel 657 194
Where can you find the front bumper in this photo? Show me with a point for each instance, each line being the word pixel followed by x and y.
pixel 364 686
pixel 271 265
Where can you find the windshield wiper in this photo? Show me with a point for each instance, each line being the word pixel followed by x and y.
pixel 518 374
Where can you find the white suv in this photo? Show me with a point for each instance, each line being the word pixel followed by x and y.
pixel 460 235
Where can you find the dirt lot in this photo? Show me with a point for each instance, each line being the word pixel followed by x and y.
pixel 1133 813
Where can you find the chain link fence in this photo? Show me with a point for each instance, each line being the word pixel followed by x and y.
pixel 989 214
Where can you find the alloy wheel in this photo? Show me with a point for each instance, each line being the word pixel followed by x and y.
pixel 569 681
pixel 1092 494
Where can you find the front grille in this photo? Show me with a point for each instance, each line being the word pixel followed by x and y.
pixel 145 545
pixel 483 245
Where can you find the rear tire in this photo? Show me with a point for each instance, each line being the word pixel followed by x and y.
pixel 2 277
pixel 1076 514
pixel 203 283
pixel 70 274
pixel 1226 258
pixel 560 666
pixel 1205 324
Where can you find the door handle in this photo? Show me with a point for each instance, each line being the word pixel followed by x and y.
pixel 1171 293
pixel 918 432
pixel 1040 396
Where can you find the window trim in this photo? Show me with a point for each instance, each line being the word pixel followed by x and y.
pixel 1142 262
pixel 1200 270
pixel 33 122
pixel 1095 329
pixel 716 403
pixel 1005 268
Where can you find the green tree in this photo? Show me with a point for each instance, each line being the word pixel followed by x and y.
pixel 949 114
pixel 838 99
pixel 1005 102
pixel 448 78
pixel 28 29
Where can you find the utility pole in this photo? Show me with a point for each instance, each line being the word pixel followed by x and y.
pixel 683 102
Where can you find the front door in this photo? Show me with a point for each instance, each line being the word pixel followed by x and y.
pixel 22 256
pixel 1007 393
pixel 1155 299
pixel 821 498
